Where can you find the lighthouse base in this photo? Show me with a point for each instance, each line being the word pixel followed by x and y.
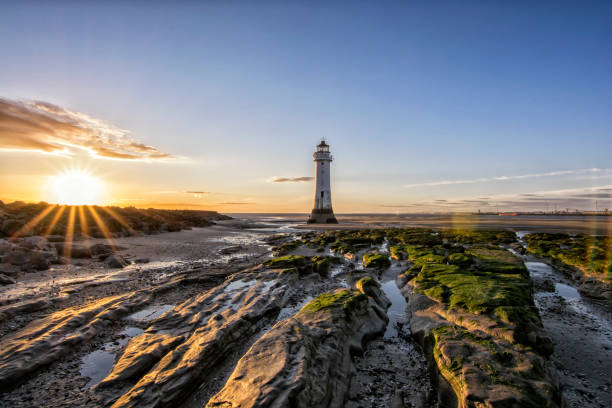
pixel 322 217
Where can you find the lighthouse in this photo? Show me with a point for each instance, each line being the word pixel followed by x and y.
pixel 322 213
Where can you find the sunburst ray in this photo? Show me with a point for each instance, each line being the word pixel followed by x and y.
pixel 69 233
pixel 33 222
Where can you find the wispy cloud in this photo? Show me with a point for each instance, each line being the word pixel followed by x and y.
pixel 197 192
pixel 45 127
pixel 508 178
pixel 233 203
pixel 291 179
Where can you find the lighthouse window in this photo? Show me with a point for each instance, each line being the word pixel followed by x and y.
pixel 322 194
pixel 322 163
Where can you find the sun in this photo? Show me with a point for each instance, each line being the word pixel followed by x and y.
pixel 76 187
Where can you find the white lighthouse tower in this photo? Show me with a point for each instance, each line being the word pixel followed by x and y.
pixel 322 213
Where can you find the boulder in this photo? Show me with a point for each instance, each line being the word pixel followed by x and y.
pixel 9 270
pixel 40 260
pixel 6 280
pixel 116 261
pixel 75 250
pixel 101 249
pixel 10 226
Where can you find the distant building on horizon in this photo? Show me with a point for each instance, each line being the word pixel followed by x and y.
pixel 322 212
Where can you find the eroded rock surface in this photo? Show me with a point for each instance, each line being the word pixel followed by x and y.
pixel 212 325
pixel 304 361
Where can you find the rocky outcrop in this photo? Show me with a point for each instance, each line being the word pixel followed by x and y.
pixel 583 258
pixel 45 340
pixel 212 324
pixel 26 254
pixel 481 331
pixel 304 361
pixel 140 355
pixel 17 219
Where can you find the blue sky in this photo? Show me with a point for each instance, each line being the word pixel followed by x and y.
pixel 409 95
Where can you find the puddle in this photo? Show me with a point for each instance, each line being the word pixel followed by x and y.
pixel 150 313
pixel 239 284
pixel 336 270
pixel 397 310
pixel 99 363
pixel 566 291
pixel 539 269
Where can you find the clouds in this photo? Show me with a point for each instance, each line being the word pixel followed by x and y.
pixel 586 198
pixel 291 180
pixel 43 127
pixel 509 178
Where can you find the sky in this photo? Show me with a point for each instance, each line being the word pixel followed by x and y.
pixel 427 106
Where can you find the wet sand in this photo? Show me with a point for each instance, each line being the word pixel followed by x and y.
pixel 596 225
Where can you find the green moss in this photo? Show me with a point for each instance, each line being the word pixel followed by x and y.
pixel 592 254
pixel 397 252
pixel 429 259
pixel 459 259
pixel 479 237
pixel 287 261
pixel 342 247
pixel 367 281
pixel 374 260
pixel 287 247
pixel 479 291
pixel 347 300
pixel 321 264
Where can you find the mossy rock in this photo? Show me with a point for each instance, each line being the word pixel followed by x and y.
pixel 495 237
pixel 591 254
pixel 304 265
pixel 287 247
pixel 375 260
pixel 320 265
pixel 398 252
pixel 363 284
pixel 429 259
pixel 460 259
pixel 287 261
pixel 348 301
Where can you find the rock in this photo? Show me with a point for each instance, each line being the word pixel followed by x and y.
pixel 74 250
pixel 370 287
pixel 304 361
pixel 9 270
pixel 10 226
pixel 17 257
pixel 55 238
pixel 142 260
pixel 141 353
pixel 40 260
pixel 212 329
pixel 47 339
pixel 34 242
pixel 116 261
pixel 544 285
pixel 230 250
pixel 6 280
pixel 101 249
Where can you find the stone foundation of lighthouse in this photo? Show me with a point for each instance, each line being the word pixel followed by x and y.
pixel 322 212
